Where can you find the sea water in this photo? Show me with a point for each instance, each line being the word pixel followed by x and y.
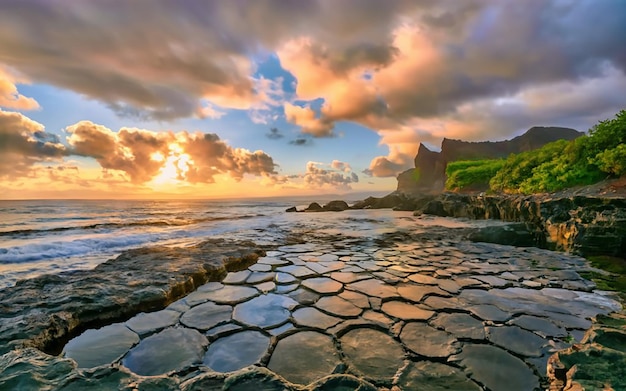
pixel 52 236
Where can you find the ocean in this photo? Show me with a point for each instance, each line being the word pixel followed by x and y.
pixel 51 236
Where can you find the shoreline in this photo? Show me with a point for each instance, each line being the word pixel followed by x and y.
pixel 230 259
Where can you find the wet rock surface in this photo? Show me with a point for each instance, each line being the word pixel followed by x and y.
pixel 347 313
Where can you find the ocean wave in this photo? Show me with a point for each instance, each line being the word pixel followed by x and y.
pixel 175 222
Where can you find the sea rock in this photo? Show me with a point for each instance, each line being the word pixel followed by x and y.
pixel 497 369
pixel 291 209
pixel 236 351
pixel 171 349
pixel 304 357
pixel 432 376
pixel 46 311
pixel 372 354
pixel 314 207
pixel 428 341
pixel 264 311
pixel 336 206
pixel 102 346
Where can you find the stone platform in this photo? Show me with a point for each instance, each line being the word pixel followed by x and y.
pixel 344 315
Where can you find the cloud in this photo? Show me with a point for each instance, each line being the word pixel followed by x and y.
pixel 301 142
pixel 145 155
pixel 340 166
pixel 309 123
pixel 274 134
pixel 471 69
pixel 316 177
pixel 9 96
pixel 23 143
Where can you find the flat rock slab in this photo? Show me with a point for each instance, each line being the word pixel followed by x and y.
pixel 304 357
pixel 406 311
pixel 374 288
pixel 206 316
pixel 541 326
pixel 497 369
pixel 265 311
pixel 149 323
pixel 232 294
pixel 236 351
pixel 416 293
pixel 312 317
pixel 102 346
pixel 338 306
pixel 461 325
pixel 170 350
pixel 432 376
pixel 428 341
pixel 516 340
pixel 372 354
pixel 323 285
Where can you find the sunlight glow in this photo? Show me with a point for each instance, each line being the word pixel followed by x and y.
pixel 175 166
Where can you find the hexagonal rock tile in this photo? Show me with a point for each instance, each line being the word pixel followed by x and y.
pixel 423 279
pixel 102 346
pixel 304 357
pixel 147 323
pixel 206 316
pixel 236 351
pixel 490 312
pixel 406 311
pixel 338 306
pixel 296 271
pixel 264 311
pixel 232 294
pixel 517 340
pixel 372 353
pixel 284 278
pixel 356 298
pixel 416 293
pixel 428 341
pixel 170 350
pixel 348 277
pixel 311 317
pixel 323 285
pixel 497 369
pixel 541 326
pixel 237 277
pixel 461 325
pixel 432 376
pixel 375 288
pixel 341 382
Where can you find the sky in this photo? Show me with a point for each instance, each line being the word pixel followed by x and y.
pixel 262 98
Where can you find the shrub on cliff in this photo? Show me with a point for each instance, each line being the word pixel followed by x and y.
pixel 471 174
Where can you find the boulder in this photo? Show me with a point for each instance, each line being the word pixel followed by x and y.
pixel 292 209
pixel 314 207
pixel 336 206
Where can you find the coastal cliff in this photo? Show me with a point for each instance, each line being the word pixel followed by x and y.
pixel 577 224
pixel 429 174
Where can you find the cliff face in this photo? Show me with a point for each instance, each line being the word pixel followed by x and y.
pixel 583 225
pixel 429 174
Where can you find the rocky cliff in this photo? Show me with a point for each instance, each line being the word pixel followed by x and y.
pixel 578 224
pixel 429 174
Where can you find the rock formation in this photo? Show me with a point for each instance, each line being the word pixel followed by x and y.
pixel 429 174
pixel 578 224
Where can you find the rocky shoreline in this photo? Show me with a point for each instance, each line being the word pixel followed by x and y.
pixel 396 312
pixel 584 225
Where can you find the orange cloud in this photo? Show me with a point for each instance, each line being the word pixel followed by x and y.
pixel 9 96
pixel 144 155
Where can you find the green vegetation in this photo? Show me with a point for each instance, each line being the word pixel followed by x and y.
pixel 471 173
pixel 555 166
pixel 615 280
